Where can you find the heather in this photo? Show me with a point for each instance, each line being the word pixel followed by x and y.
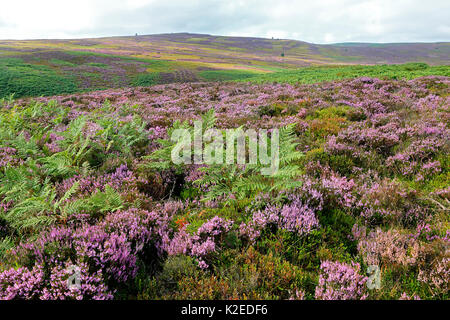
pixel 85 180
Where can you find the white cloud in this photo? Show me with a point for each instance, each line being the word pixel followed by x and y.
pixel 320 21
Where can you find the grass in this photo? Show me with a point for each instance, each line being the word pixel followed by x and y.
pixel 145 79
pixel 98 65
pixel 225 75
pixel 25 79
pixel 31 74
pixel 330 73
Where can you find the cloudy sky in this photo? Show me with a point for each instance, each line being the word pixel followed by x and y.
pixel 318 21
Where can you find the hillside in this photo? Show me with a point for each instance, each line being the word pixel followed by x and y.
pixel 87 180
pixel 47 67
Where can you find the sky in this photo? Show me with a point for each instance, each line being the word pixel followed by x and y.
pixel 317 21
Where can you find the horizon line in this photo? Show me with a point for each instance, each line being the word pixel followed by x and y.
pixel 224 36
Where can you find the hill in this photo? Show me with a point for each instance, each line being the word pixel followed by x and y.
pixel 47 67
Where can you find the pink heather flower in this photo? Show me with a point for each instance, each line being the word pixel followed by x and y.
pixel 294 217
pixel 202 243
pixel 404 296
pixel 340 281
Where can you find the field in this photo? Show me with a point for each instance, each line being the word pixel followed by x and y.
pixel 50 67
pixel 309 75
pixel 358 209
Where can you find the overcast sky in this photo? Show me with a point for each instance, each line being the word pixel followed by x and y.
pixel 318 21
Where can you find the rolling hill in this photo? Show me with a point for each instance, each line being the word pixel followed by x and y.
pixel 47 67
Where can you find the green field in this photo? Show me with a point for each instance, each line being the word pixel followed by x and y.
pixel 226 75
pixel 25 79
pixel 330 73
pixel 30 76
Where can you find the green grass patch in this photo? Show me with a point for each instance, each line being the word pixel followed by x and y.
pixel 145 79
pixel 98 65
pixel 225 75
pixel 25 80
pixel 330 73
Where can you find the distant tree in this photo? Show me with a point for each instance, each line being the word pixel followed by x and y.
pixel 282 54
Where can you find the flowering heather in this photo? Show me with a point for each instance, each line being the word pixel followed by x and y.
pixel 294 217
pixel 391 200
pixel 200 244
pixel 111 248
pixel 6 156
pixel 437 273
pixel 404 296
pixel 388 248
pixel 367 186
pixel 340 281
pixel 438 277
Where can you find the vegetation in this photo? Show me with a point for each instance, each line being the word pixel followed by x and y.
pixel 306 75
pixel 87 180
pixel 24 79
pixel 225 75
pixel 46 68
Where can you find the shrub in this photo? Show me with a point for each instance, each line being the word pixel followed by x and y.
pixel 340 281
